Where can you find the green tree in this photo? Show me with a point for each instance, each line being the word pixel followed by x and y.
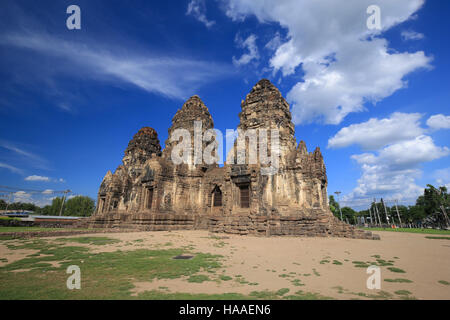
pixel 350 214
pixel 54 208
pixel 80 206
pixel 433 198
pixel 334 205
pixel 415 214
pixel 46 211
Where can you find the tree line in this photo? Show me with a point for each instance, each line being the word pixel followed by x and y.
pixel 429 208
pixel 78 206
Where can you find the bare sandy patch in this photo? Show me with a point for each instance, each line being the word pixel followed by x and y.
pixel 13 255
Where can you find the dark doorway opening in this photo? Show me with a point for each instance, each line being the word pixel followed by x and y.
pixel 245 195
pixel 217 197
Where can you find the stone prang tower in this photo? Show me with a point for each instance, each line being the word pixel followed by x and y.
pixel 151 192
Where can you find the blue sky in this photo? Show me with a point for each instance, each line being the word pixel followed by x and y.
pixel 374 101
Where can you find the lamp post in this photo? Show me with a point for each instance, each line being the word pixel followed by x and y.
pixel 63 200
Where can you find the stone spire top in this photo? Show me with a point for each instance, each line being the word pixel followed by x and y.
pixel 193 109
pixel 144 143
pixel 265 108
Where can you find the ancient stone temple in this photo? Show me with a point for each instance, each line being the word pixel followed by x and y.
pixel 149 191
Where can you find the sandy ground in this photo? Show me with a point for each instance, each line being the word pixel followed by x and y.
pixel 274 263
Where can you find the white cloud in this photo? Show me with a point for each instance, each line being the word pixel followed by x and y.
pixel 442 177
pixel 10 168
pixel 19 153
pixel 37 178
pixel 376 133
pixel 439 121
pixel 22 196
pixel 412 35
pixel 274 43
pixel 22 152
pixel 173 77
pixel 345 65
pixel 250 45
pixel 392 172
pixel 399 147
pixel 197 9
pixel 412 152
pixel 39 200
pixel 47 191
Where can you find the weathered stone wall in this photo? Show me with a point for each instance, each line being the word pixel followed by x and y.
pixel 315 224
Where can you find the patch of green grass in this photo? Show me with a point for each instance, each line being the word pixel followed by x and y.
pixel 282 292
pixel 219 244
pixel 446 283
pixel 336 262
pixel 225 278
pixel 284 275
pixel 263 295
pixel 384 263
pixel 412 230
pixel 105 275
pixel 360 264
pixel 241 280
pixel 396 270
pixel 300 295
pixel 9 219
pixel 324 261
pixel 98 241
pixel 297 283
pixel 402 292
pixel 376 256
pixel 399 280
pixel 382 295
pixel 340 289
pixel 438 238
pixel 316 273
pixel 159 295
pixel 198 278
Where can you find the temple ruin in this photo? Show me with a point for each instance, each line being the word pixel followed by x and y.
pixel 149 192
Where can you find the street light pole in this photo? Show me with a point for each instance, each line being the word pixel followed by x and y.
pixel 443 210
pixel 62 203
pixel 398 213
pixel 9 200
